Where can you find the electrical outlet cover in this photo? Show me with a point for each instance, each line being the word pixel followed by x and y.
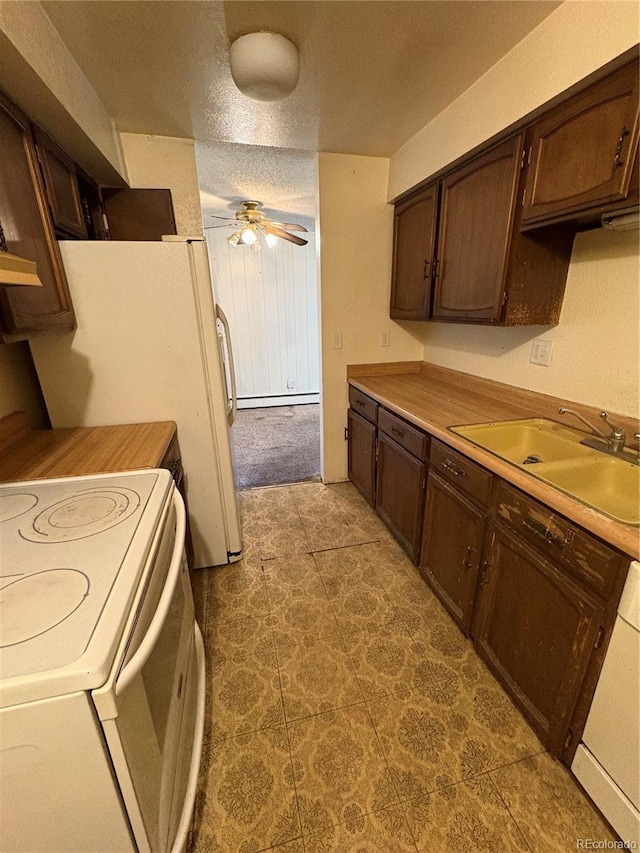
pixel 541 352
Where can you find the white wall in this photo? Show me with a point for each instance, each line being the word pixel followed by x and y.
pixel 575 40
pixel 40 73
pixel 355 242
pixel 595 357
pixel 19 386
pixel 166 162
pixel 271 301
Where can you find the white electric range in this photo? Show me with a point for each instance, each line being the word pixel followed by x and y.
pixel 101 666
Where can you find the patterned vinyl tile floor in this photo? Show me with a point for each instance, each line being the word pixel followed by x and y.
pixel 345 710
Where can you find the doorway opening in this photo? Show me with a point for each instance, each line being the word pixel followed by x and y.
pixel 270 297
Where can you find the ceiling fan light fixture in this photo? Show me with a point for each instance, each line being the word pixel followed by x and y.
pixel 271 240
pixel 234 239
pixel 265 66
pixel 248 236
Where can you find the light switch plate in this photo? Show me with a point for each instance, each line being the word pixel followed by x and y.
pixel 541 352
pixel 337 340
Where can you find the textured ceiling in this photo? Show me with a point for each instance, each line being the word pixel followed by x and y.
pixel 284 180
pixel 372 74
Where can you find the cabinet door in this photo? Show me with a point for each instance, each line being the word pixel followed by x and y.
pixel 476 221
pixel 362 456
pixel 536 629
pixel 582 153
pixel 400 494
pixel 61 186
pixel 29 232
pixel 139 214
pixel 414 238
pixel 451 547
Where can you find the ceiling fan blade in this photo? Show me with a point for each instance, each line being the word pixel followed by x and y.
pixel 278 232
pixel 226 218
pixel 290 226
pixel 211 227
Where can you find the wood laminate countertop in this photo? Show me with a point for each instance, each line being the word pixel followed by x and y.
pixel 27 454
pixel 435 398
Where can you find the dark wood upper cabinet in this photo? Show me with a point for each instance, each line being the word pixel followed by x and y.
pixel 29 232
pixel 61 187
pixel 476 219
pixel 362 455
pixel 139 214
pixel 583 153
pixel 504 224
pixel 486 269
pixel 452 541
pixel 536 629
pixel 414 236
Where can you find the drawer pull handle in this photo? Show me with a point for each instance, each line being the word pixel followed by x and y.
pixel 361 403
pixel 544 533
pixel 467 562
pixel 457 472
pixel 399 432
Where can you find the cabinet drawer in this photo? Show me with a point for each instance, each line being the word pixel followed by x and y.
pixel 588 559
pixel 363 405
pixel 466 475
pixel 407 436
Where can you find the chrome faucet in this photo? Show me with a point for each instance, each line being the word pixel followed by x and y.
pixel 614 442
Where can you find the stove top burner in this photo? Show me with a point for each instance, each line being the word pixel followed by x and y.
pixel 82 515
pixel 11 506
pixel 35 604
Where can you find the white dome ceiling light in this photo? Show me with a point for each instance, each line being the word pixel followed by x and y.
pixel 265 66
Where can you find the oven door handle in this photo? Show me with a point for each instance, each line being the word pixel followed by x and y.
pixel 180 842
pixel 143 652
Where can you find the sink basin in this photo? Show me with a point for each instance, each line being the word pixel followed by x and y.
pixel 528 442
pixel 552 452
pixel 608 484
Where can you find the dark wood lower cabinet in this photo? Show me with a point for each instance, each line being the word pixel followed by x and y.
pixel 362 456
pixel 536 629
pixel 400 493
pixel 537 593
pixel 452 540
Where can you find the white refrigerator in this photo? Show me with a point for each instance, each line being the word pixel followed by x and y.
pixel 151 346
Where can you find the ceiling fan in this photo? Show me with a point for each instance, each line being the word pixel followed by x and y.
pixel 255 226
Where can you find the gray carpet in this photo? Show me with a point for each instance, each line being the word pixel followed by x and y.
pixel 276 445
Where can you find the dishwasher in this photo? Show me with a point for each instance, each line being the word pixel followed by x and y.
pixel 607 762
